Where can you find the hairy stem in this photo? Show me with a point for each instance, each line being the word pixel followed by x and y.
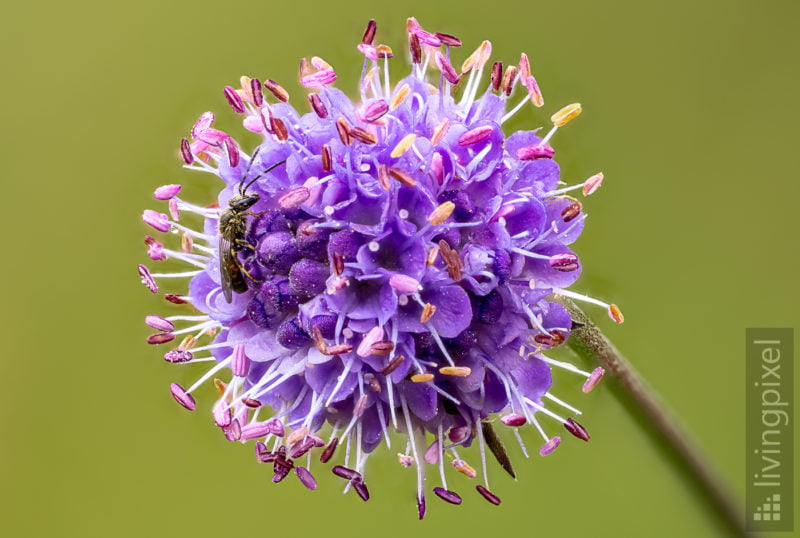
pixel 590 343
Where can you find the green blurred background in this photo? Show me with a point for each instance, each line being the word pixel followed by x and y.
pixel 689 109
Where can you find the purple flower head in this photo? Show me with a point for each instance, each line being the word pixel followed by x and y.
pixel 385 264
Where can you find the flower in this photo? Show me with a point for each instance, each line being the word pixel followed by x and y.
pixel 379 265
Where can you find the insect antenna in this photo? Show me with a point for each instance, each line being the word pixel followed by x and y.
pixel 247 171
pixel 267 171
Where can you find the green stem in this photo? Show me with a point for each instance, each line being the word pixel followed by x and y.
pixel 590 343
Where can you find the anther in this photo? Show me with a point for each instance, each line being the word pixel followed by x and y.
pixel 339 349
pixel 277 90
pixel 433 253
pixel 327 164
pixel 294 198
pixel 279 128
pixel 421 378
pixel 344 131
pixel 306 478
pixel 384 51
pixel 457 371
pixel 535 151
pixel 571 211
pixel 576 429
pixel 592 184
pixel 446 68
pixel 383 177
pixel 475 135
pixel 187 343
pixel 382 347
pixel 177 356
pixel 497 75
pixel 375 110
pixel 403 146
pixel 160 338
pixel 363 136
pixel 369 33
pixel 404 283
pixel 464 468
pixel 478 58
pixel 564 262
pixel 158 221
pixel 405 460
pixel 372 381
pixel 186 151
pixel 296 435
pixel 439 131
pixel 509 78
pixel 344 472
pixel 361 489
pixel 360 406
pixel 327 452
pixel 448 40
pixel 513 419
pixel 615 313
pixel 534 93
pixel 165 192
pixel 566 114
pixel 319 107
pixel 415 48
pixel 338 264
pixel 427 313
pixel 233 152
pixel 488 495
pixel 182 397
pixel 402 176
pixel 594 379
pixel 234 99
pixel 159 323
pixel 399 96
pixel 393 365
pixel 220 386
pixel 258 95
pixel 187 243
pixel 175 299
pixel 550 446
pixel 448 496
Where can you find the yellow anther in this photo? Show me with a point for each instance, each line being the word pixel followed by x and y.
pixel 399 96
pixel 427 313
pixel 421 378
pixel 464 468
pixel 615 313
pixel 247 89
pixel 319 63
pixel 441 213
pixel 458 371
pixel 566 114
pixel 440 131
pixel 432 255
pixel 187 244
pixel 478 58
pixel 403 145
pixel 220 386
pixel 187 343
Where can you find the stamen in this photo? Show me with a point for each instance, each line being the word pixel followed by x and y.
pixel 475 135
pixel 497 75
pixel 294 198
pixel 159 323
pixel 296 435
pixel 403 146
pixel 165 192
pixel 550 446
pixel 536 151
pixel 186 151
pixel 319 107
pixel 175 299
pixel 464 468
pixel 458 371
pixel 404 460
pixel 327 164
pixel 448 40
pixel 258 95
pixel 277 90
pixel 433 253
pixel 344 472
pixel 234 99
pixel 566 114
pixel 439 131
pixel 591 185
pixel 402 176
pixel 156 220
pixel 488 495
pixel 421 378
pixel 279 128
pixel 571 211
pixel 306 478
pixel 160 338
pixel 177 356
pixel 362 135
pixel 576 429
pixel 615 313
pixel 182 397
pixel 399 96
pixel 427 313
pixel 594 379
pixel 513 419
pixel 446 68
pixel 327 453
pixel 404 284
pixel 361 489
pixel 369 33
pixel 415 48
pixel 375 110
pixel 393 365
pixel 564 263
pixel 509 78
pixel 344 131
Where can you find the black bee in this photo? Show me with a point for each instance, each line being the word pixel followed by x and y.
pixel 232 230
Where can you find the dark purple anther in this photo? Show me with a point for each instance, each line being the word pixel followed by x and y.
pixel 233 152
pixel 318 105
pixel 291 335
pixel 160 338
pixel 307 277
pixel 327 453
pixel 421 506
pixel 177 356
pixel 326 157
pixel 361 489
pixel 306 478
pixel 375 110
pixel 175 299
pixel 234 99
pixel 369 33
pixel 576 429
pixel 300 448
pixel 416 51
pixel 344 472
pixel 275 427
pixel 393 365
pixel 258 95
pixel 251 403
pixel 448 40
pixel 277 90
pixel 497 75
pixel 536 151
pixel 571 211
pixel 186 151
pixel 488 495
pixel 449 496
pixel 446 68
pixel 278 128
pixel 280 474
pixel 564 262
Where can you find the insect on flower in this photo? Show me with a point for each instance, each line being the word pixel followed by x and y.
pixel 382 265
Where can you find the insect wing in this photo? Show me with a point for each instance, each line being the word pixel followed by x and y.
pixel 227 268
